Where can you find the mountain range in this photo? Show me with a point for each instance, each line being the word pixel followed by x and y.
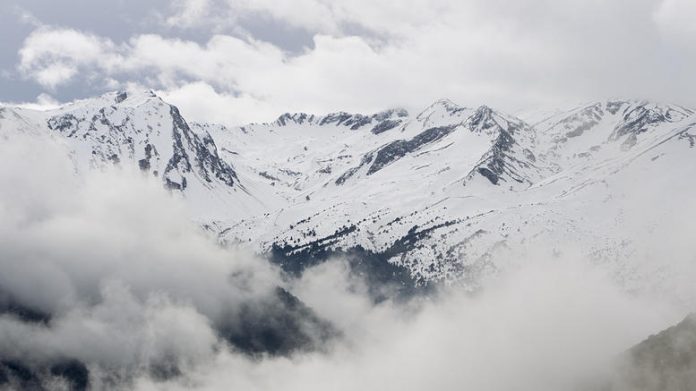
pixel 450 194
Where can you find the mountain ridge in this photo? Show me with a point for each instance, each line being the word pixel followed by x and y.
pixel 441 194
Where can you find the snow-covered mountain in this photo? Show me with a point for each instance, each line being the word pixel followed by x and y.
pixel 448 194
pixel 141 130
pixel 451 191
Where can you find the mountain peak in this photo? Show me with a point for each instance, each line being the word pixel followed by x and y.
pixel 296 118
pixel 380 122
pixel 130 97
pixel 445 102
pixel 442 106
pixel 624 105
pixel 626 117
pixel 123 95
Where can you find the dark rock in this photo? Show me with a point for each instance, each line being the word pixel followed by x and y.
pixel 205 158
pixel 67 123
pixel 614 106
pixel 121 97
pixel 399 148
pixel 385 126
pixel 503 160
pixel 490 175
pixel 367 159
pixel 638 119
pixel 280 325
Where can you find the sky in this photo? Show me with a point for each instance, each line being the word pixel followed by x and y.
pixel 240 61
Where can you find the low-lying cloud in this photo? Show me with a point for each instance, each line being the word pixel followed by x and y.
pixel 105 268
pixel 555 326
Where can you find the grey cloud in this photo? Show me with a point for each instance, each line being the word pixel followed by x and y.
pixel 107 270
pixel 364 56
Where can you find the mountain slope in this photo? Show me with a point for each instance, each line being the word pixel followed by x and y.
pixel 452 194
pixel 138 129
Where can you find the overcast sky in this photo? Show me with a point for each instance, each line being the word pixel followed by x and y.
pixel 237 61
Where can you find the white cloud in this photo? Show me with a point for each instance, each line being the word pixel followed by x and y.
pixel 43 102
pixel 509 55
pixel 322 16
pixel 55 74
pixel 54 56
pixel 201 103
pixel 310 14
pixel 551 326
pixel 131 286
pixel 224 60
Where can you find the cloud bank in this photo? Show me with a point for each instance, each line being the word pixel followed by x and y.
pixel 105 275
pixel 108 270
pixel 549 326
pixel 364 56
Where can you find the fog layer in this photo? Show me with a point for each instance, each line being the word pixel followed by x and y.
pixel 107 269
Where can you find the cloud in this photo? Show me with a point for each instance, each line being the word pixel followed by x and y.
pixel 53 57
pixel 338 18
pixel 43 102
pixel 122 333
pixel 133 290
pixel 551 325
pixel 224 60
pixel 108 269
pixel 676 18
pixel 306 14
pixel 188 12
pixel 367 56
pixel 201 103
pixel 26 17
